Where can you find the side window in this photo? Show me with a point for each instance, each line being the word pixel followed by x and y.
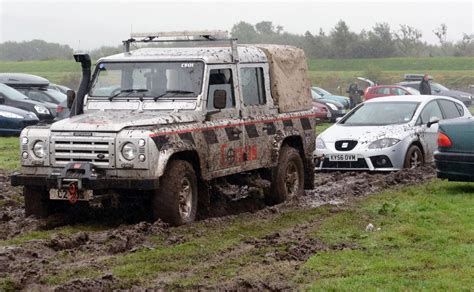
pixel 220 79
pixel 460 109
pixel 431 110
pixel 39 96
pixel 449 109
pixel 253 86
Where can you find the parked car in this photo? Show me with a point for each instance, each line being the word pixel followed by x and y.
pixel 322 111
pixel 336 108
pixel 14 98
pixel 455 155
pixel 386 133
pixel 388 90
pixel 413 81
pixel 35 87
pixel 61 88
pixel 344 100
pixel 13 120
pixel 62 111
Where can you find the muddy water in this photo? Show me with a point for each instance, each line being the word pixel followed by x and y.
pixel 26 263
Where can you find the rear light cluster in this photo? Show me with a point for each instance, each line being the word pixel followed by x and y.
pixel 444 141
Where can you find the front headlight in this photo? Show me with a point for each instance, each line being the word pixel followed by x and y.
pixel 41 109
pixel 465 96
pixel 39 149
pixel 383 143
pixel 10 115
pixel 129 151
pixel 333 107
pixel 320 144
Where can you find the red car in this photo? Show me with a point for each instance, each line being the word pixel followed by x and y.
pixel 386 90
pixel 322 111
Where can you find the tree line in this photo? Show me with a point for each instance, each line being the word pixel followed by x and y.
pixel 380 41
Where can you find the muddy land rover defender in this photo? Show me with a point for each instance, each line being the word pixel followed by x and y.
pixel 166 122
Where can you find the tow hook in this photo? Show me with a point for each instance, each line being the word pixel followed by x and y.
pixel 72 193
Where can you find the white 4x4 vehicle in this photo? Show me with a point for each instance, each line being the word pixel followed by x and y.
pixel 162 122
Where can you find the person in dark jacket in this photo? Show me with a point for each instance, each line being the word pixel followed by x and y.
pixel 425 87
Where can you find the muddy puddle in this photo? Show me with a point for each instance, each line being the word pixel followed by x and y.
pixel 114 233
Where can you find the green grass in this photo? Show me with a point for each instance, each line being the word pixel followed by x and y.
pixel 394 64
pixel 9 153
pixel 426 241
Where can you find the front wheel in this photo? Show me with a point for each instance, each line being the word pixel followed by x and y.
pixel 414 157
pixel 175 202
pixel 287 177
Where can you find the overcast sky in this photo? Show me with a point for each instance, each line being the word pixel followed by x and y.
pixel 90 24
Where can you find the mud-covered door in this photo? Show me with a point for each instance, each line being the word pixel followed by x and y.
pixel 429 135
pixel 258 114
pixel 223 131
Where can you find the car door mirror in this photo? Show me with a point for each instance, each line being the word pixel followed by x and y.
pixel 433 120
pixel 437 90
pixel 71 95
pixel 220 99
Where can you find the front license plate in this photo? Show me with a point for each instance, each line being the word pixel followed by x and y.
pixel 342 157
pixel 82 195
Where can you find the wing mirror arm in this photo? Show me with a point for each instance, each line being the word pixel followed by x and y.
pixel 433 120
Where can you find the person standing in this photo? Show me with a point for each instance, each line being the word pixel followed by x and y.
pixel 425 87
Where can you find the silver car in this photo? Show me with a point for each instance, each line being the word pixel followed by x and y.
pixel 386 133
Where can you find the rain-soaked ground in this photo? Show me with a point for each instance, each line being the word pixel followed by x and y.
pixel 25 263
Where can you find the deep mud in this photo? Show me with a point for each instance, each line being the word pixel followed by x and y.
pixel 25 262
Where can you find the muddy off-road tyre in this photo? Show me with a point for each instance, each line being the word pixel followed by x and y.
pixel 414 157
pixel 175 202
pixel 287 177
pixel 37 202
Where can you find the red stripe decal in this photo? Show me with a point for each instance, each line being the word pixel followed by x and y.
pixel 231 125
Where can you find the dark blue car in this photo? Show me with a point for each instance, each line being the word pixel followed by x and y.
pixel 13 120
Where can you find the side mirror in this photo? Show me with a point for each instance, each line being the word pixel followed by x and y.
pixel 220 99
pixel 433 120
pixel 71 95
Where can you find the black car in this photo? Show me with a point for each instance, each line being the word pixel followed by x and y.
pixel 35 87
pixel 13 120
pixel 11 97
pixel 413 81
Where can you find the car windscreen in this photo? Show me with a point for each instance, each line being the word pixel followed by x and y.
pixel 381 114
pixel 439 87
pixel 148 79
pixel 12 93
pixel 56 95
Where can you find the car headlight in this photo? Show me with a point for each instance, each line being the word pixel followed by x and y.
pixel 10 115
pixel 41 109
pixel 465 96
pixel 39 149
pixel 129 151
pixel 333 107
pixel 320 144
pixel 383 143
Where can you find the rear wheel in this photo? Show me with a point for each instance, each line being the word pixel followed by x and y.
pixel 287 177
pixel 414 157
pixel 175 202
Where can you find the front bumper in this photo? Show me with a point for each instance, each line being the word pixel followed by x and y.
pixel 366 159
pixel 454 166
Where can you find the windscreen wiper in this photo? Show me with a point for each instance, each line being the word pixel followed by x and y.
pixel 173 91
pixel 129 91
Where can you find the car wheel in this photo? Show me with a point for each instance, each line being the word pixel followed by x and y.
pixel 37 202
pixel 287 177
pixel 175 202
pixel 414 157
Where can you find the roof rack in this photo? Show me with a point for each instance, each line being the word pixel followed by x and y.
pixel 416 77
pixel 183 36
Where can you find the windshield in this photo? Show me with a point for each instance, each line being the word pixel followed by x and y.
pixel 147 79
pixel 12 93
pixel 381 114
pixel 321 91
pixel 439 87
pixel 56 95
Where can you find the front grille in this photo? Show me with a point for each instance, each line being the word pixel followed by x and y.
pixel 360 164
pixel 349 145
pixel 96 150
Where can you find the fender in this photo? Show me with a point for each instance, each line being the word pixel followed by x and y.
pixel 278 139
pixel 168 150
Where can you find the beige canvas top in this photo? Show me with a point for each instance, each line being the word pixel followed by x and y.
pixel 290 84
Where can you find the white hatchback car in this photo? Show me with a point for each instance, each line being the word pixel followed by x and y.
pixel 386 133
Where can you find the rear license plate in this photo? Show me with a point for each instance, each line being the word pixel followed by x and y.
pixel 342 157
pixel 82 195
